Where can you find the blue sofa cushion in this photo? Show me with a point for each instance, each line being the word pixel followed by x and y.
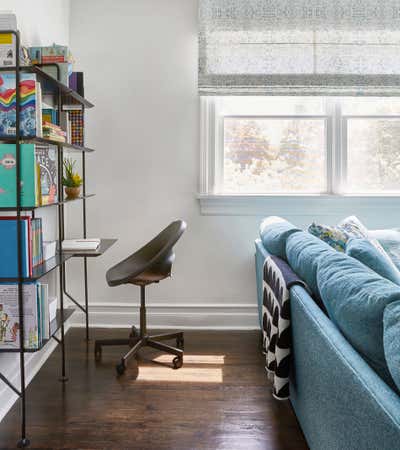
pixel 355 298
pixel 391 340
pixel 274 232
pixel 365 251
pixel 390 241
pixel 303 252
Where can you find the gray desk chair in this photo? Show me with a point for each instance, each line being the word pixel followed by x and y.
pixel 151 264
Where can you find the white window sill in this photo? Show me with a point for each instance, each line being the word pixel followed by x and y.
pixel 296 205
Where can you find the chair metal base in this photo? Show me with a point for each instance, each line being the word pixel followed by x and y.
pixel 136 342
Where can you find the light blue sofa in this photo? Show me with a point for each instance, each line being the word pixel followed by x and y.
pixel 339 400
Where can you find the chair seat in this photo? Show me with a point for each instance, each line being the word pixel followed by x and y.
pixel 148 277
pixel 150 264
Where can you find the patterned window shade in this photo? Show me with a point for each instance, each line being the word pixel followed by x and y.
pixel 299 47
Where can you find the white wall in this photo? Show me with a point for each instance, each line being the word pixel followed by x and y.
pixel 41 22
pixel 140 64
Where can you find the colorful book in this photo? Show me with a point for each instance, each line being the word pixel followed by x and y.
pixel 8 21
pixel 49 115
pixel 45 312
pixel 8 190
pixel 50 54
pixel 9 316
pixel 37 241
pixel 76 83
pixel 9 247
pixel 39 175
pixel 46 158
pixel 77 127
pixel 29 101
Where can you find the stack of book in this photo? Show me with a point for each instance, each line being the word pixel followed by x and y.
pixel 38 175
pixel 36 315
pixel 56 60
pixel 8 21
pixel 53 132
pixel 49 114
pixel 70 245
pixel 31 245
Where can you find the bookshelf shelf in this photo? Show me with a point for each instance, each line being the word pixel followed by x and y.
pixel 63 99
pixel 52 84
pixel 55 326
pixel 41 270
pixel 45 141
pixel 105 244
pixel 62 202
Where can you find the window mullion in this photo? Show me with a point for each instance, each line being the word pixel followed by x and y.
pixel 338 150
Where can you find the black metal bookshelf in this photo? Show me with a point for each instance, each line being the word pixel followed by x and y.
pixel 63 95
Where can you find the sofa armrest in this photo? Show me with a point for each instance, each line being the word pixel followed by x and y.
pixel 339 400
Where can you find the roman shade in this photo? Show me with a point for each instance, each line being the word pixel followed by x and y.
pixel 299 47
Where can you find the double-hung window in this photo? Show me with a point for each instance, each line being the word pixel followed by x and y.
pixel 270 145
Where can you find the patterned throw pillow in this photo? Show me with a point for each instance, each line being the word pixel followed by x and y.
pixel 353 227
pixel 333 236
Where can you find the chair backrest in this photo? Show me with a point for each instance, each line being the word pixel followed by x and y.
pixel 154 253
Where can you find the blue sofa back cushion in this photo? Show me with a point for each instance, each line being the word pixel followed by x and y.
pixel 364 251
pixel 303 252
pixel 391 340
pixel 390 241
pixel 355 298
pixel 274 232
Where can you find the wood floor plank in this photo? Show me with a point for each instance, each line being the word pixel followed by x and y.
pixel 220 399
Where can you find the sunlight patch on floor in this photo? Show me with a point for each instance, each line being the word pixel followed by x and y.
pixel 194 359
pixel 184 374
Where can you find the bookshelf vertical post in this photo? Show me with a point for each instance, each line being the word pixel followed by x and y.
pixel 64 377
pixel 23 442
pixel 85 236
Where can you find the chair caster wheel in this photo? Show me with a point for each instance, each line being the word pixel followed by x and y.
pixel 177 362
pixel 120 368
pixel 23 443
pixel 180 342
pixel 134 332
pixel 97 352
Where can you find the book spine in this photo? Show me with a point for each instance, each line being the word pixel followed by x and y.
pixel 34 237
pixel 40 242
pixel 28 245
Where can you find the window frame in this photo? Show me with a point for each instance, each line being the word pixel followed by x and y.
pixel 334 201
pixel 336 126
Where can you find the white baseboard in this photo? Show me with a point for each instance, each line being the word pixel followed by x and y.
pixel 195 316
pixel 33 363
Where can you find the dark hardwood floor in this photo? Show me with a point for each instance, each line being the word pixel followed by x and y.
pixel 219 399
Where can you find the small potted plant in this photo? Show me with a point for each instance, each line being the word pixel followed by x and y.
pixel 71 179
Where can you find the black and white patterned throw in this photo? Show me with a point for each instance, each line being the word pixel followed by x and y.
pixel 277 280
